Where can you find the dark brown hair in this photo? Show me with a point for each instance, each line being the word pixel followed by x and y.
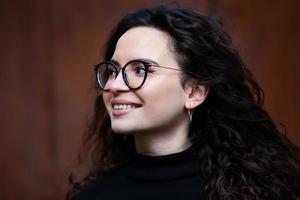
pixel 242 153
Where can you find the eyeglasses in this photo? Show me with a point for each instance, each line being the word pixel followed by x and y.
pixel 134 73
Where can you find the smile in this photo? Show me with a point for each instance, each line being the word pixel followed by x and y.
pixel 122 109
pixel 123 106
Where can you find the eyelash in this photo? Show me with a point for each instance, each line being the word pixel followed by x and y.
pixel 150 69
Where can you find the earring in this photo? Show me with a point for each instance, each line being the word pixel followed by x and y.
pixel 190 115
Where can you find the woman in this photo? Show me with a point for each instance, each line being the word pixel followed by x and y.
pixel 179 116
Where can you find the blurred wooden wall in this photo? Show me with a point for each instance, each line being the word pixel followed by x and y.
pixel 48 49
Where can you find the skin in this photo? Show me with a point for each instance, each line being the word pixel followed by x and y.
pixel 159 120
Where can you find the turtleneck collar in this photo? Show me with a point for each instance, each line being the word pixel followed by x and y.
pixel 165 167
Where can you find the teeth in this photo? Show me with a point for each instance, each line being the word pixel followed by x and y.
pixel 123 106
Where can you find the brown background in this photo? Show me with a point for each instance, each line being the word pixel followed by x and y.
pixel 48 48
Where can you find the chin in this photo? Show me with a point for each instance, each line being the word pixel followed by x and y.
pixel 125 127
pixel 121 130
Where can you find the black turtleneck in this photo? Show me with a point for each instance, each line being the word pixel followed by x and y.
pixel 173 176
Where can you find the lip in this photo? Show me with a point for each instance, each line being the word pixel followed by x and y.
pixel 121 112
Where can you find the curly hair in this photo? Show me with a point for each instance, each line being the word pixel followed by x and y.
pixel 242 153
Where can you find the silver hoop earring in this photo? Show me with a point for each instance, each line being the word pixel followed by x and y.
pixel 190 115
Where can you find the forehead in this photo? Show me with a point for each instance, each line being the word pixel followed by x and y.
pixel 143 42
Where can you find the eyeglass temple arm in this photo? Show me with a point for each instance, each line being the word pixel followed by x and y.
pixel 165 67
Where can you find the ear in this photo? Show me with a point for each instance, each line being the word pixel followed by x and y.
pixel 195 95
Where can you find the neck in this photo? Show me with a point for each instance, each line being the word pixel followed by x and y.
pixel 156 143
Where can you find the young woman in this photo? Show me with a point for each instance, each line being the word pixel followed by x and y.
pixel 179 116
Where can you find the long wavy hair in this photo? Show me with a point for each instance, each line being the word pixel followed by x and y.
pixel 243 154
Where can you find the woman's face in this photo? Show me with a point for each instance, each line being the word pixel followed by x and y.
pixel 160 103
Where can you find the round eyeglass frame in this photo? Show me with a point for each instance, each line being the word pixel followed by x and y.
pixel 122 69
pixel 118 69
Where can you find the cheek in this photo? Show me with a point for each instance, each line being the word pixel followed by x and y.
pixel 164 95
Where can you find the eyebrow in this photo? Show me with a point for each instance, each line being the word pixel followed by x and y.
pixel 147 60
pixel 115 62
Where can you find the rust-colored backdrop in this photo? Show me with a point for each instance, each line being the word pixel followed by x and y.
pixel 48 49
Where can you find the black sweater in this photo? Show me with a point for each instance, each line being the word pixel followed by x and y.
pixel 174 176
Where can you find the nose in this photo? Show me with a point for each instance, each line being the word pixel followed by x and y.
pixel 118 84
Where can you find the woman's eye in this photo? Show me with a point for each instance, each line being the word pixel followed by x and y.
pixel 110 72
pixel 140 70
